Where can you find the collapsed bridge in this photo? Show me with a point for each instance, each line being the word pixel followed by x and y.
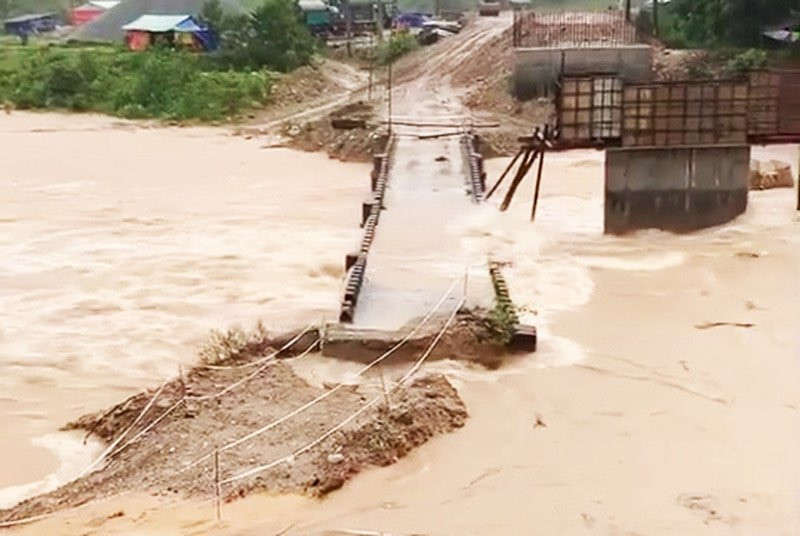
pixel 424 189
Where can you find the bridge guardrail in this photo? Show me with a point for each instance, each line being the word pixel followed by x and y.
pixel 356 264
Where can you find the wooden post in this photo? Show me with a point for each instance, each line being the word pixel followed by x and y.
pixel 527 162
pixel 538 183
pixel 217 486
pixel 383 387
pixel 503 176
pixel 379 20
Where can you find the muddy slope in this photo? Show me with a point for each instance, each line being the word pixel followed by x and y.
pixel 161 460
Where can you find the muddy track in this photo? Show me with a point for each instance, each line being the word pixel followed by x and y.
pixel 442 59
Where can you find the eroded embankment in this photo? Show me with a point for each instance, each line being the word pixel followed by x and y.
pixel 169 435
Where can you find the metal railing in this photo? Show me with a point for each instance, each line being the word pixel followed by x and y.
pixel 573 29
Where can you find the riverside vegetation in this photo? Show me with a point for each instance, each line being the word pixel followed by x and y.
pixel 164 83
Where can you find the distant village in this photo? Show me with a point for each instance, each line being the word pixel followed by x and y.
pixel 142 24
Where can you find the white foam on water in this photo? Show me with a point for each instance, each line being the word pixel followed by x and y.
pixel 73 457
pixel 645 262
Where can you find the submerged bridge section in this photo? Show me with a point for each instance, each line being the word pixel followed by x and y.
pixel 425 191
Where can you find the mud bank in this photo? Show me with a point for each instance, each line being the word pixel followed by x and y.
pixel 169 434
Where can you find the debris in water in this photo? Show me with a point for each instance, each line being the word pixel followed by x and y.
pixel 709 325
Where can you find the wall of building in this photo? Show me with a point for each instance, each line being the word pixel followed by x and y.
pixel 678 189
pixel 536 70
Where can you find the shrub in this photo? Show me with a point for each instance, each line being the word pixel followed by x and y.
pixel 399 45
pixel 503 323
pixel 163 84
pixel 231 344
pixel 273 36
pixel 749 60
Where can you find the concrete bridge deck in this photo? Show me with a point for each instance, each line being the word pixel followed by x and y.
pixel 418 251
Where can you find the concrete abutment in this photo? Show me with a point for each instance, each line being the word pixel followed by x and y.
pixel 676 189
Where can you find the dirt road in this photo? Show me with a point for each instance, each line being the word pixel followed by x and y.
pixel 417 253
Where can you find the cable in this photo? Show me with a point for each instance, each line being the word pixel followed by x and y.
pixel 354 415
pixel 123 434
pixel 331 391
pixel 204 397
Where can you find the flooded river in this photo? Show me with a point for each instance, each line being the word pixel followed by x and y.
pixel 663 399
pixel 123 246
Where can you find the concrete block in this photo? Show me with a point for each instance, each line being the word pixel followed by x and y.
pixel 523 339
pixel 678 189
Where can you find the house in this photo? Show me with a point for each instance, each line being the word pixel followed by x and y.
pixel 108 28
pixel 90 11
pixel 181 31
pixel 32 24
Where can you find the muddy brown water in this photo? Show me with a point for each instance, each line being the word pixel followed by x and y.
pixel 123 246
pixel 646 424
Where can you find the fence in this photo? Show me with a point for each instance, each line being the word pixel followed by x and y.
pixel 590 107
pixel 774 104
pixel 573 29
pixel 601 109
pixel 685 113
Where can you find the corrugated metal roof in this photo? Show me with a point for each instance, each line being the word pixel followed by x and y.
pixel 157 23
pixel 108 27
pixel 26 18
pixel 104 4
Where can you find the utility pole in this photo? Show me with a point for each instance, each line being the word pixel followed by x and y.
pixel 655 18
pixel 389 84
pixel 378 11
pixel 348 26
pixel 389 74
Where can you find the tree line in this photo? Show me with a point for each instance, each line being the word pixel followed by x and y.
pixel 723 22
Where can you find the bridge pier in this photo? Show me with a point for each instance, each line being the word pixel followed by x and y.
pixel 677 189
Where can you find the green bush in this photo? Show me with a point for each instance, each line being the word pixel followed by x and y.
pixel 749 60
pixel 399 45
pixel 503 323
pixel 273 36
pixel 160 83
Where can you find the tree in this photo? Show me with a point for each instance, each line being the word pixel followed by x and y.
pixel 735 22
pixel 273 36
pixel 6 6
